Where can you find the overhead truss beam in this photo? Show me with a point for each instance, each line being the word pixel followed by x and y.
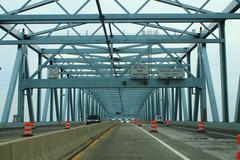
pixel 110 83
pixel 116 18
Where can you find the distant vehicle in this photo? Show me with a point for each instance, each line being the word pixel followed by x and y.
pixel 127 120
pixel 159 118
pixel 93 119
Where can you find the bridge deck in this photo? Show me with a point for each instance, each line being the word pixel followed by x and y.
pixel 130 142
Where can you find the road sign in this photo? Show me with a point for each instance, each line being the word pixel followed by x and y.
pixel 139 71
pixel 166 73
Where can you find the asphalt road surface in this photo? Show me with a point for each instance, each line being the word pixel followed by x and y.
pixel 129 142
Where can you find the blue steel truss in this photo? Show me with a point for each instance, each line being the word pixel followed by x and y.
pixel 94 49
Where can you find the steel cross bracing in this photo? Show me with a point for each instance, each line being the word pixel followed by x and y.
pixel 94 43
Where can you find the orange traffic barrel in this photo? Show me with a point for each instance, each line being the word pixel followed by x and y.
pixel 68 125
pixel 167 123
pixel 33 125
pixel 238 147
pixel 154 126
pixel 28 129
pixel 201 127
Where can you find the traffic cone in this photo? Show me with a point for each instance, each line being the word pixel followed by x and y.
pixel 154 126
pixel 201 127
pixel 28 129
pixel 238 147
pixel 68 125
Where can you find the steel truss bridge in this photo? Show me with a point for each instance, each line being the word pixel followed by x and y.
pixel 94 49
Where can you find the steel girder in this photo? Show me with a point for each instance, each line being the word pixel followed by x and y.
pixel 110 83
pixel 127 39
pixel 116 18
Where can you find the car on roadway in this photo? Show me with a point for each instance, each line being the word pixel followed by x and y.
pixel 93 119
pixel 159 118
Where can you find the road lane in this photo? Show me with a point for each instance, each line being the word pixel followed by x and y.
pixel 128 142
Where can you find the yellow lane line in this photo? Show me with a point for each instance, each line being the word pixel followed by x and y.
pixel 92 144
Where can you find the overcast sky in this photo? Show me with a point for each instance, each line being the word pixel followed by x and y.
pixel 8 53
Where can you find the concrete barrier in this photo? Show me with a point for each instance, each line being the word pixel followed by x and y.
pixel 50 146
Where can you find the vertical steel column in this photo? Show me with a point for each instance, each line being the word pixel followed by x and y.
pixel 87 103
pixel 173 105
pixel 203 104
pixel 148 110
pixel 79 97
pixel 166 105
pixel 237 111
pixel 72 105
pixel 160 102
pixel 157 102
pixel 61 99
pixel 84 104
pixel 180 103
pixel 163 104
pixel 68 104
pixel 208 76
pixel 39 93
pixel 223 66
pixel 91 104
pixel 189 89
pixel 197 93
pixel 65 105
pixel 51 105
pixel 184 105
pixel 176 104
pixel 170 104
pixel 75 108
pixel 56 104
pixel 29 90
pixel 11 88
pixel 46 104
pixel 152 105
pixel 21 93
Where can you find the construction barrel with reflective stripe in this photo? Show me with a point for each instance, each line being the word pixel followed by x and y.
pixel 154 126
pixel 28 129
pixel 201 126
pixel 68 125
pixel 238 147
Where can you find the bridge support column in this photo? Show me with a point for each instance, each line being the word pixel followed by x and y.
pixel 223 67
pixel 176 104
pixel 203 104
pixel 39 92
pixel 189 89
pixel 17 69
pixel 208 76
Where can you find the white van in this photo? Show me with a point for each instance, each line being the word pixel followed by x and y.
pixel 159 118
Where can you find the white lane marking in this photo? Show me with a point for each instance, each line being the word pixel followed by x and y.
pixel 166 145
